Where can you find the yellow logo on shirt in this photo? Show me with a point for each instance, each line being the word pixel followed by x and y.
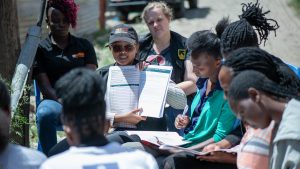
pixel 181 54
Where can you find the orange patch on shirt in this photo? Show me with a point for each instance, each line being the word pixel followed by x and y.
pixel 79 55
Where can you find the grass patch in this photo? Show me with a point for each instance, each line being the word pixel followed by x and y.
pixel 103 53
pixel 296 5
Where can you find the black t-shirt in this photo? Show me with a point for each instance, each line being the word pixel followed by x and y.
pixel 56 62
pixel 162 59
pixel 175 55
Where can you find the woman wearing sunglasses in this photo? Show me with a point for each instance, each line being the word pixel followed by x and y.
pixel 124 46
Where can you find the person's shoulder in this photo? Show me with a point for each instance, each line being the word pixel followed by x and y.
pixel 290 119
pixel 133 156
pixel 178 36
pixel 80 40
pixel 104 69
pixel 290 113
pixel 144 159
pixel 145 39
pixel 58 159
pixel 24 154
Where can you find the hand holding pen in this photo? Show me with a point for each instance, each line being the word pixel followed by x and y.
pixel 182 120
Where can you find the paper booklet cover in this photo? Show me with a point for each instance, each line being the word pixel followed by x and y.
pixel 173 148
pixel 129 88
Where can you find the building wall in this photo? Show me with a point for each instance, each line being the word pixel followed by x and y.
pixel 28 13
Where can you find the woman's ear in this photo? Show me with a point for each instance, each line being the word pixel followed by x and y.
pixel 218 62
pixel 137 46
pixel 254 94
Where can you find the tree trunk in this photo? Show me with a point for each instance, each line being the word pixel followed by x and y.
pixel 9 52
pixel 9 39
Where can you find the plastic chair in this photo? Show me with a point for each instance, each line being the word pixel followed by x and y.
pixel 37 93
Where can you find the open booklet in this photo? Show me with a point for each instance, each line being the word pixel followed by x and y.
pixel 159 138
pixel 173 148
pixel 129 88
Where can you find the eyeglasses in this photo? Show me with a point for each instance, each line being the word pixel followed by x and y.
pixel 120 48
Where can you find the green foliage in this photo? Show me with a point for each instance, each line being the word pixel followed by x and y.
pixel 19 120
pixel 103 53
pixel 296 5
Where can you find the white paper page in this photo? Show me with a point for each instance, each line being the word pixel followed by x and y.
pixel 122 89
pixel 169 138
pixel 153 89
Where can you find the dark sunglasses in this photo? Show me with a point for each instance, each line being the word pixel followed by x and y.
pixel 120 48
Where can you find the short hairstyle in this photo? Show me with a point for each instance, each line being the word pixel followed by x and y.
pixel 4 97
pixel 241 33
pixel 239 86
pixel 207 41
pixel 82 96
pixel 167 11
pixel 253 58
pixel 68 7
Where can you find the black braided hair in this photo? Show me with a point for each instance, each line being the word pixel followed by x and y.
pixel 207 41
pixel 221 26
pixel 241 33
pixel 82 97
pixel 253 58
pixel 240 84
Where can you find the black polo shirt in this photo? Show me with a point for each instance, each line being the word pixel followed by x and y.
pixel 56 62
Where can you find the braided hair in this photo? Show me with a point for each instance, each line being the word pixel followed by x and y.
pixel 241 33
pixel 253 58
pixel 239 86
pixel 68 7
pixel 82 96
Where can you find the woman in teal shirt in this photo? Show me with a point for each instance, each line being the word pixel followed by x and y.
pixel 210 118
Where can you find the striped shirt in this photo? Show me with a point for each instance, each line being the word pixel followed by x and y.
pixel 254 152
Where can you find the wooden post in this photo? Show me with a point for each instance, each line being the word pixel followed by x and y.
pixel 102 10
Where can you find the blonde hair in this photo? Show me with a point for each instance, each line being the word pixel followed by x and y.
pixel 167 11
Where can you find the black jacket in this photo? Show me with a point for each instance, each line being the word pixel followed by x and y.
pixel 178 50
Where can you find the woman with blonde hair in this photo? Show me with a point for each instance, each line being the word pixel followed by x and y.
pixel 165 47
